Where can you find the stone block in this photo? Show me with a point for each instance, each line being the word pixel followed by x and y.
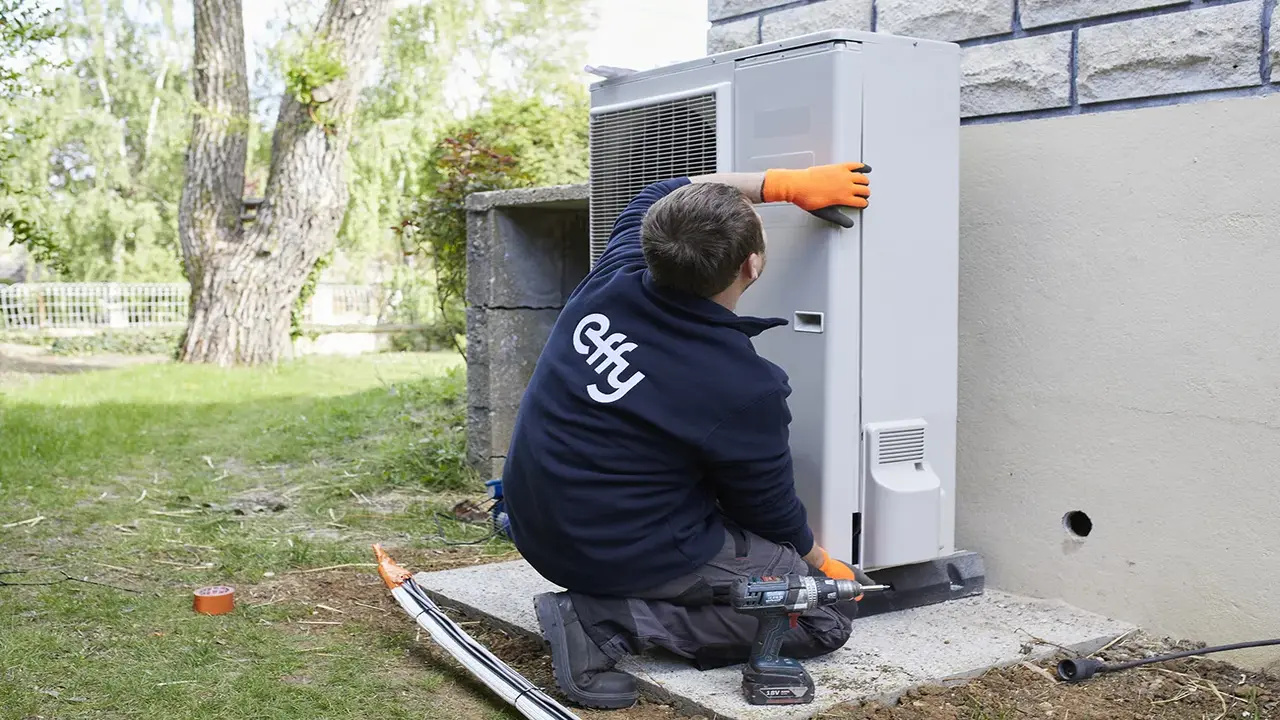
pixel 949 20
pixel 520 257
pixel 1038 13
pixel 1203 49
pixel 516 339
pixel 503 346
pixel 477 357
pixel 1275 44
pixel 479 432
pixel 546 196
pixel 1016 76
pixel 495 466
pixel 577 252
pixel 479 437
pixel 722 9
pixel 480 243
pixel 723 37
pixel 816 17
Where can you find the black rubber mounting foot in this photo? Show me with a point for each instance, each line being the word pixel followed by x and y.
pixel 928 583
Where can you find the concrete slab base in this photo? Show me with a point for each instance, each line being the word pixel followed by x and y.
pixel 887 655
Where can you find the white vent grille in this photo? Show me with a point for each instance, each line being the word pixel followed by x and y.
pixel 899 446
pixel 634 147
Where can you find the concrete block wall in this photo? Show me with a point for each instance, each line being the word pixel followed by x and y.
pixel 1039 58
pixel 526 251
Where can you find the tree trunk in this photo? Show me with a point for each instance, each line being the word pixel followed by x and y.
pixel 245 281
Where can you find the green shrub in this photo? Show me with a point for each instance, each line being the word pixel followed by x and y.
pixel 436 457
pixel 514 142
pixel 430 338
pixel 129 342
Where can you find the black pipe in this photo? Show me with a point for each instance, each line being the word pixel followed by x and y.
pixel 1081 669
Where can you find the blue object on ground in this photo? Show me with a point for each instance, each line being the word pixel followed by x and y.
pixel 501 525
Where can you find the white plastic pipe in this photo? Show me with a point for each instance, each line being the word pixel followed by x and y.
pixel 507 683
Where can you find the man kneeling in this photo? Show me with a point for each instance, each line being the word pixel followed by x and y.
pixel 650 466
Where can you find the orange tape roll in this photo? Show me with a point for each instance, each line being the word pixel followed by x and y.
pixel 216 600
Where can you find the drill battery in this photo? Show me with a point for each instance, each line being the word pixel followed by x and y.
pixel 777 602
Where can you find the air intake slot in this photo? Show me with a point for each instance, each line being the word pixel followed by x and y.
pixel 636 146
pixel 903 445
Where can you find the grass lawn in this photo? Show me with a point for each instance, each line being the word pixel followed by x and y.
pixel 151 480
pixel 157 479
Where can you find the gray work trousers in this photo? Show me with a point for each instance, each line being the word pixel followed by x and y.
pixel 691 616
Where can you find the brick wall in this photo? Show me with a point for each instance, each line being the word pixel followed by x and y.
pixel 1034 58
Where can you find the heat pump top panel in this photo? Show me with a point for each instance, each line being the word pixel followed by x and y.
pixel 800 42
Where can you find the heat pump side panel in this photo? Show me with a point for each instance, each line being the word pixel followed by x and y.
pixel 797 110
pixel 910 269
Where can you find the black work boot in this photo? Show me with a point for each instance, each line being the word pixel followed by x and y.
pixel 583 672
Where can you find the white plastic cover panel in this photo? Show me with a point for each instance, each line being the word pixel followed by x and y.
pixel 633 147
pixel 904 496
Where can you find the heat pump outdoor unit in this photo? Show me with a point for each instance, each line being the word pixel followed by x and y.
pixel 871 344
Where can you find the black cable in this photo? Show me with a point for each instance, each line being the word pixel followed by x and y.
pixel 482 654
pixel 1081 669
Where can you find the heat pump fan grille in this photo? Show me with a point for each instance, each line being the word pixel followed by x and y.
pixel 634 147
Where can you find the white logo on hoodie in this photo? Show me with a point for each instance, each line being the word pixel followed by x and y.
pixel 607 356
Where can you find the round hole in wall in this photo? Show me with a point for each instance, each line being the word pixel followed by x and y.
pixel 1077 523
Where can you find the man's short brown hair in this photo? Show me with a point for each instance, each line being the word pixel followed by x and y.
pixel 696 238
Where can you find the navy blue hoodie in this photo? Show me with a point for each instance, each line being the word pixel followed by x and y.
pixel 648 415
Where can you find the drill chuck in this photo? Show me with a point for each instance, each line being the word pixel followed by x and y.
pixel 852 589
pixel 793 594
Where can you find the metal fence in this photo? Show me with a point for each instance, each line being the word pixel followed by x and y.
pixel 100 306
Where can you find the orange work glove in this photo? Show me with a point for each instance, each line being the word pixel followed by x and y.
pixel 820 189
pixel 833 568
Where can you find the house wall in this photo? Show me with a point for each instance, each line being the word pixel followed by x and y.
pixel 1120 249
pixel 1119 341
pixel 1038 58
pixel 1120 356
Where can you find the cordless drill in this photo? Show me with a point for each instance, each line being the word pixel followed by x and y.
pixel 767 678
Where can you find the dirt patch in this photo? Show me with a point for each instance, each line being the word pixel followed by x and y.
pixel 358 595
pixel 390 502
pixel 530 658
pixel 1186 689
pixel 249 502
pixel 358 591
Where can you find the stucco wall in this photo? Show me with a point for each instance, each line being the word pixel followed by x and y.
pixel 1120 356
